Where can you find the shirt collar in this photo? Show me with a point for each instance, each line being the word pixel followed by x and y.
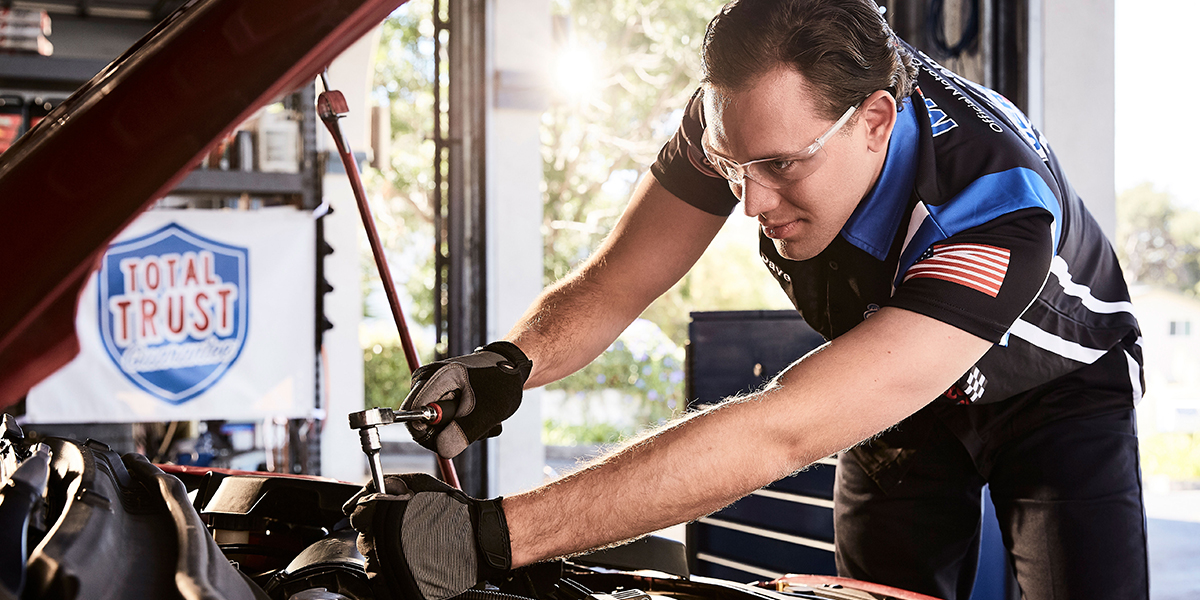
pixel 873 224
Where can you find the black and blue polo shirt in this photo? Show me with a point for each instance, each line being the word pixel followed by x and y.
pixel 972 222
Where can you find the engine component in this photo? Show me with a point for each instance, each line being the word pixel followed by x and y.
pixel 263 522
pixel 96 502
pixel 21 498
pixel 653 552
pixel 332 565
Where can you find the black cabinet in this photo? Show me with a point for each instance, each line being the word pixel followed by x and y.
pixel 786 527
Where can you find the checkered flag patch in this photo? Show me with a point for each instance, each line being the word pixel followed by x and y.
pixel 975 384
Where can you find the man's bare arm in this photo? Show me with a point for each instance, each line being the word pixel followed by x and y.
pixel 858 385
pixel 656 241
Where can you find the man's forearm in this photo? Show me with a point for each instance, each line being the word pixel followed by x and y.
pixel 688 470
pixel 658 238
pixel 567 327
pixel 861 384
pixel 681 473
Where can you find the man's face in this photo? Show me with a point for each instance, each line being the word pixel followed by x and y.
pixel 777 116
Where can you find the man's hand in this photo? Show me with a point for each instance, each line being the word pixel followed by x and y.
pixel 486 386
pixel 424 540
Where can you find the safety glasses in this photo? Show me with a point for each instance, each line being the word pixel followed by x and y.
pixel 777 171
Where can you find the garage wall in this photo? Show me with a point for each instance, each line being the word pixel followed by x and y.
pixel 519 49
pixel 1078 80
pixel 341 455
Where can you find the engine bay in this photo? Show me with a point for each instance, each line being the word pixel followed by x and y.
pixel 79 521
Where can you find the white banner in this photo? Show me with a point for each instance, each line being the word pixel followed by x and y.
pixel 193 314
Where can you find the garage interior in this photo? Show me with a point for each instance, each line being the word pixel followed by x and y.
pixel 1043 55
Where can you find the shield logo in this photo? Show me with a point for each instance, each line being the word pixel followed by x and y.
pixel 174 310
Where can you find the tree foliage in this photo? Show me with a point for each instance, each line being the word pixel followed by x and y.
pixel 403 85
pixel 400 197
pixel 599 135
pixel 1174 454
pixel 598 139
pixel 625 70
pixel 401 193
pixel 638 381
pixel 1158 241
pixel 635 65
pixel 385 376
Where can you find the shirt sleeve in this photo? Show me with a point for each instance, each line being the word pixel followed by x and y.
pixel 684 171
pixel 982 279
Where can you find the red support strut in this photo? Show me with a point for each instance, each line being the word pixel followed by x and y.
pixel 331 106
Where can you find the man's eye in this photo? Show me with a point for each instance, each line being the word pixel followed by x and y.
pixel 781 166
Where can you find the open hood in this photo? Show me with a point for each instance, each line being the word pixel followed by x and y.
pixel 127 137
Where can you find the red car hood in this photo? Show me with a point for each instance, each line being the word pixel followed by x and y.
pixel 131 134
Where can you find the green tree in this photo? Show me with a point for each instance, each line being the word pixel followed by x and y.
pixel 635 65
pixel 599 139
pixel 1174 454
pixel 400 196
pixel 642 372
pixel 599 135
pixel 402 192
pixel 1158 242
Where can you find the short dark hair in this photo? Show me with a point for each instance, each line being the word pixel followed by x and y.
pixel 844 48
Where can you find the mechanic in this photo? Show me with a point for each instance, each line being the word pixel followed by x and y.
pixel 978 318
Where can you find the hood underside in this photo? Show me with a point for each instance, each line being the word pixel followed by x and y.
pixel 128 136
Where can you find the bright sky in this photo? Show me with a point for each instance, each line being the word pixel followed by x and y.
pixel 1158 85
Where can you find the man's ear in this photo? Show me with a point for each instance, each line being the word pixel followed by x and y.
pixel 878 111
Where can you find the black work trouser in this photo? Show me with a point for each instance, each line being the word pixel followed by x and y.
pixel 1062 465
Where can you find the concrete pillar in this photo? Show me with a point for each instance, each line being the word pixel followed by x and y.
pixel 519 36
pixel 341 456
pixel 1078 82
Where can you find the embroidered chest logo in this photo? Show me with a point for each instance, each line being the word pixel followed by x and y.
pixel 940 121
pixel 978 266
pixel 174 310
pixel 774 269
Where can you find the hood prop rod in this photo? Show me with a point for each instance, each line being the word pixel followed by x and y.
pixel 331 106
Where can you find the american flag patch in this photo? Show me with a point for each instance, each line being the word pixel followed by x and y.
pixel 977 266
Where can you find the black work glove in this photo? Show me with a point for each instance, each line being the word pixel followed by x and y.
pixel 424 540
pixel 486 385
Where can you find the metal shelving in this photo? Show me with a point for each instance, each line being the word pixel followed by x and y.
pixel 47 76
pixel 241 182
pixel 32 76
pixel 19 72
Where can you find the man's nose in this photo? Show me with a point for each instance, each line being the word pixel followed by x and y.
pixel 756 198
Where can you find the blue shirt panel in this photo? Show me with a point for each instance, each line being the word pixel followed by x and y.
pixel 873 225
pixel 987 198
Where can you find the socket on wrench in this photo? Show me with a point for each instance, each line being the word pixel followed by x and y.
pixel 367 422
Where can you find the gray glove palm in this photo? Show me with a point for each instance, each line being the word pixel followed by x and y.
pixel 424 540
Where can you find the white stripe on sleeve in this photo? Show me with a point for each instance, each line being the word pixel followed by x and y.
pixel 1052 343
pixel 1058 266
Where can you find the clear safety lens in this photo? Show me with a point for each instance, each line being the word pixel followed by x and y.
pixel 778 171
